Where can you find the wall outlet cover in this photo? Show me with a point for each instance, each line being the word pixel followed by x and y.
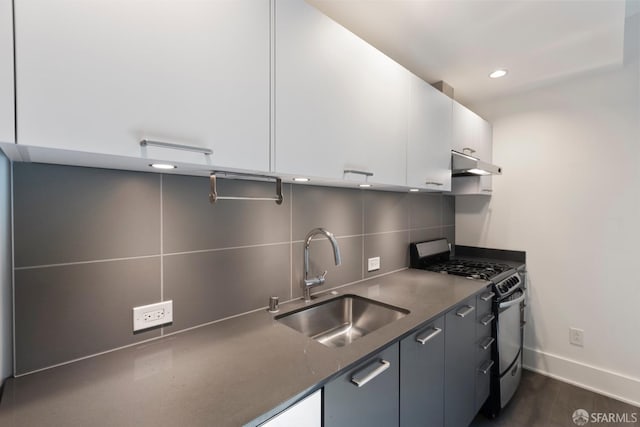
pixel 148 316
pixel 576 337
pixel 373 264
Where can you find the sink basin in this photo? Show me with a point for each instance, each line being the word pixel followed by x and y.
pixel 341 321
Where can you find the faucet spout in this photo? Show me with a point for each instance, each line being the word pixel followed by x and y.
pixel 307 283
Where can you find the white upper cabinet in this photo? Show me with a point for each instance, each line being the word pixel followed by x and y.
pixel 340 103
pixel 472 132
pixel 429 139
pixel 99 76
pixel 6 73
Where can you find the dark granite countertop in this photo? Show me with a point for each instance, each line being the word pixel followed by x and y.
pixel 238 371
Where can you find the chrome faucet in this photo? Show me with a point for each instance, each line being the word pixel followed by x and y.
pixel 307 283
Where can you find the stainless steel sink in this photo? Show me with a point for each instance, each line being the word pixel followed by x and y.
pixel 341 321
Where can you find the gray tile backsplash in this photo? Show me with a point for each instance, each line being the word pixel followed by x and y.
pixel 339 210
pixel 66 312
pixel 385 211
pixel 67 214
pixel 206 286
pixel 425 210
pixel 191 223
pixel 448 210
pixel 392 248
pixel 123 239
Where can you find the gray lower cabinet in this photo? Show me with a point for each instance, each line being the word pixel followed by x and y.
pixel 367 395
pixel 460 364
pixel 422 377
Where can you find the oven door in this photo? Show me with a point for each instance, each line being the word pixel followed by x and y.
pixel 509 330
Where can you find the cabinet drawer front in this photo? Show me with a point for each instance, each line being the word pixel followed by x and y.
pixel 483 303
pixel 483 383
pixel 376 402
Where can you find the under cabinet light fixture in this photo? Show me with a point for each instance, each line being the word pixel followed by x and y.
pixel 364 185
pixel 478 172
pixel 501 72
pixel 301 179
pixel 165 166
pixel 414 190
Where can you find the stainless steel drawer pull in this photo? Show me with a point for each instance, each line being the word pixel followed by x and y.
pixel 486 343
pixel 486 366
pixel 439 184
pixel 463 312
pixel 423 339
pixel 487 319
pixel 487 190
pixel 487 296
pixel 171 145
pixel 384 365
pixel 357 172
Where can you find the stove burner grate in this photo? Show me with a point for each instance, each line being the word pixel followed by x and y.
pixel 472 269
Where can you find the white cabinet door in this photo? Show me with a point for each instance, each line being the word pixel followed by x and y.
pixel 340 103
pixel 471 131
pixel 307 413
pixel 429 139
pixel 464 128
pixel 99 76
pixel 6 73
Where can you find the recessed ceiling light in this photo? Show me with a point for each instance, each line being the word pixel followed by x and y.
pixel 162 166
pixel 301 179
pixel 414 190
pixel 364 185
pixel 498 73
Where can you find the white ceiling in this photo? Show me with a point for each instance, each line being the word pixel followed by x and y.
pixel 462 41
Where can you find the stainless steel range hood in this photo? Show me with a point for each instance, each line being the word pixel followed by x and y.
pixel 466 165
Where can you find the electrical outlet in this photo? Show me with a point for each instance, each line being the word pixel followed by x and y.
pixel 576 337
pixel 373 264
pixel 148 316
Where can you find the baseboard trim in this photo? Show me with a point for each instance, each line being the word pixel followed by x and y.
pixel 602 381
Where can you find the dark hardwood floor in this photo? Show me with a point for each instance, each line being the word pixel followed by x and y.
pixel 541 401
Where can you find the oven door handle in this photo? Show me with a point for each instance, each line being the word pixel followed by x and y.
pixel 513 302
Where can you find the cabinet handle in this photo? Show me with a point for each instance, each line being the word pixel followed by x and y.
pixel 357 172
pixel 486 366
pixel 486 343
pixel 423 340
pixel 488 190
pixel 161 144
pixel 487 319
pixel 463 312
pixel 384 365
pixel 439 184
pixel 487 296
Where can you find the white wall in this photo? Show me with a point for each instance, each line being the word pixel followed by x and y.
pixel 6 328
pixel 570 197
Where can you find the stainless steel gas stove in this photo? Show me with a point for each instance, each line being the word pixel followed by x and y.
pixel 508 284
